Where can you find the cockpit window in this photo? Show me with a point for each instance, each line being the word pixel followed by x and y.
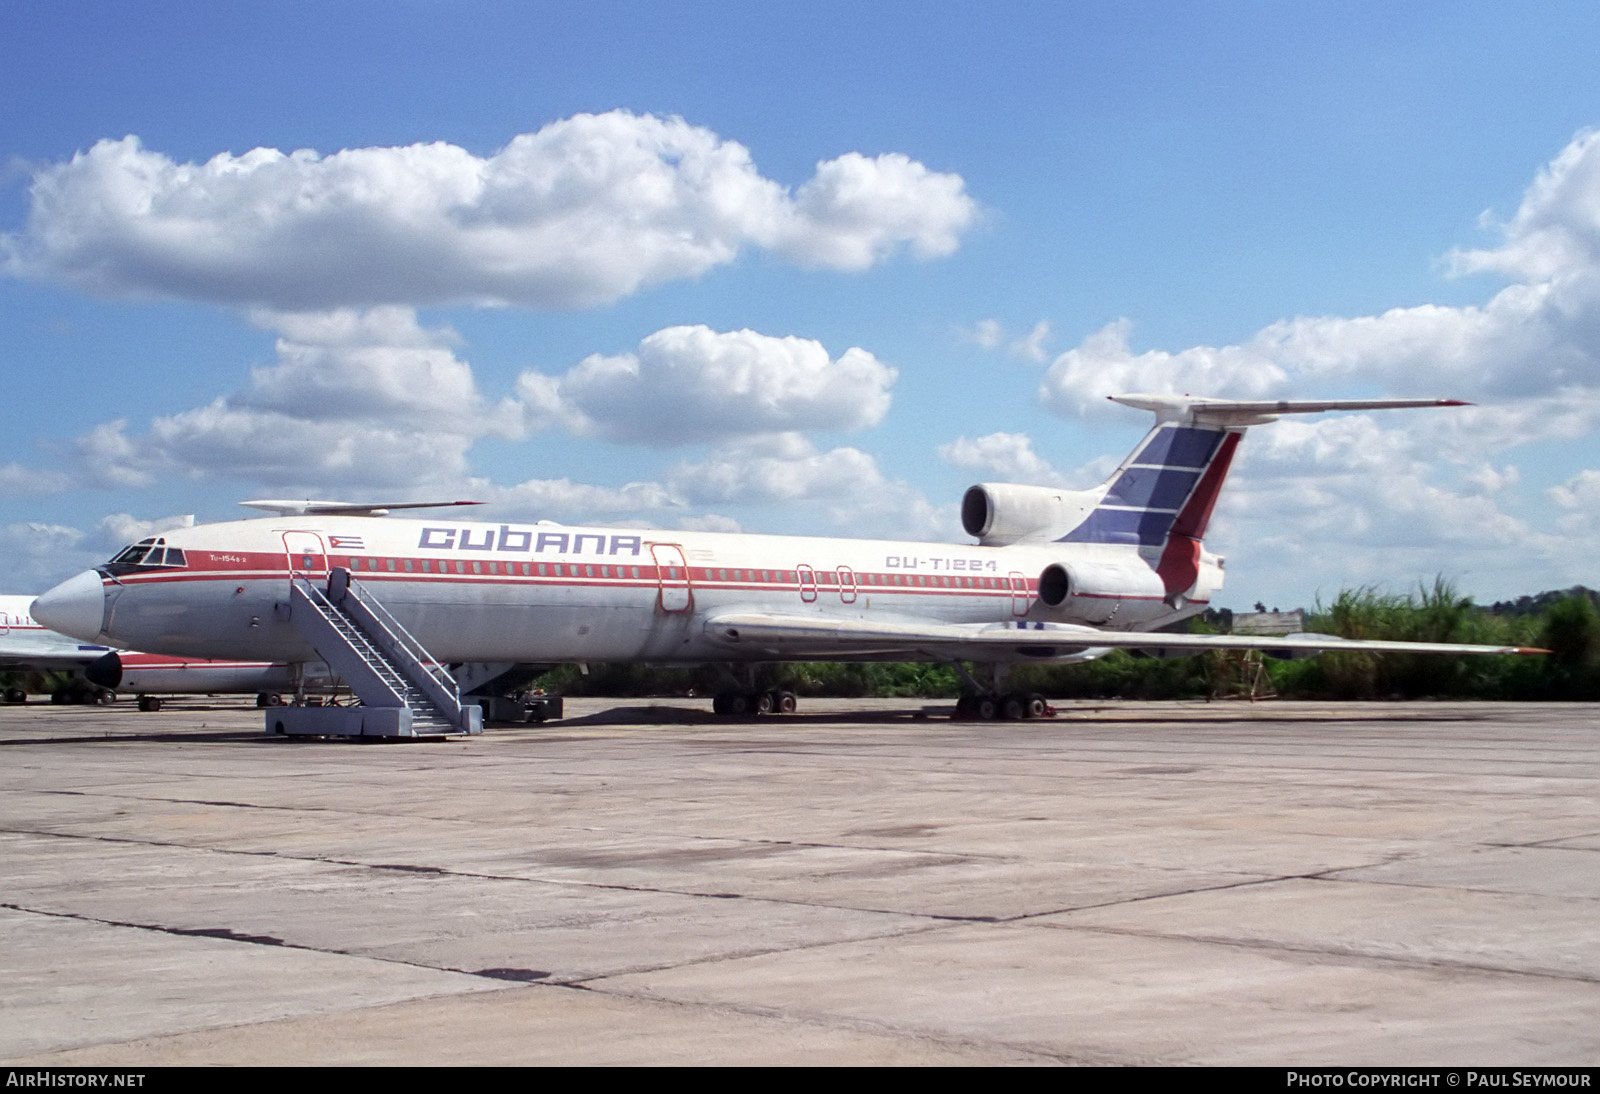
pixel 144 556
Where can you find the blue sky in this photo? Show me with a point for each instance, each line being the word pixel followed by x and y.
pixel 811 270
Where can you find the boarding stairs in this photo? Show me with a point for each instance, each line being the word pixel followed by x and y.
pixel 404 692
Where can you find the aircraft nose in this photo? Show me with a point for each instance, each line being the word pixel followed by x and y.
pixel 76 607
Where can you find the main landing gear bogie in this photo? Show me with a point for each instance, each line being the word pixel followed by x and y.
pixel 1014 707
pixel 738 704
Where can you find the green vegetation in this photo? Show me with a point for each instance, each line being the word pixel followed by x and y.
pixel 1567 623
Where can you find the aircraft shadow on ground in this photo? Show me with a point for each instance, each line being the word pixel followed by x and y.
pixel 938 712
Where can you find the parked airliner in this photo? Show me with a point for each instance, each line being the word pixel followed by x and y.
pixel 26 646
pixel 1055 575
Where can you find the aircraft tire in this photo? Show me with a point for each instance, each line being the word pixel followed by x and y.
pixel 1037 706
pixel 149 703
pixel 1014 708
pixel 16 695
pixel 984 708
pixel 764 702
pixel 787 702
pixel 733 704
pixel 105 698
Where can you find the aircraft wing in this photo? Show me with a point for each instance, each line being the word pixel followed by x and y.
pixel 46 656
pixel 788 636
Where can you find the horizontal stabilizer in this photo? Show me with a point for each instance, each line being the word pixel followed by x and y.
pixel 1234 412
pixel 308 508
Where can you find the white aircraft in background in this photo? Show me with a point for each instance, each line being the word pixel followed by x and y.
pixel 1055 576
pixel 26 646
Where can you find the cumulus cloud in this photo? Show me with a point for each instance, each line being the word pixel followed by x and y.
pixel 1581 491
pixel 1352 500
pixel 782 468
pixel 565 500
pixel 119 529
pixel 1556 230
pixel 361 402
pixel 842 487
pixel 788 469
pixel 367 400
pixel 987 333
pixel 40 554
pixel 991 334
pixel 856 211
pixel 692 384
pixel 1030 347
pixel 1537 337
pixel 17 480
pixel 1578 503
pixel 1008 457
pixel 38 538
pixel 373 365
pixel 709 522
pixel 584 211
pixel 1079 380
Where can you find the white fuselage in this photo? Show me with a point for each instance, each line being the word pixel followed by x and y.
pixel 542 593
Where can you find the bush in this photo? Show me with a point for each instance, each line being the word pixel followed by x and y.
pixel 1568 624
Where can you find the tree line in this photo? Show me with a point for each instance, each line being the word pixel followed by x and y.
pixel 1566 622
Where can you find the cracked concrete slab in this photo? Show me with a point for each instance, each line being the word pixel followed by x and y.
pixel 1526 932
pixel 70 983
pixel 1167 882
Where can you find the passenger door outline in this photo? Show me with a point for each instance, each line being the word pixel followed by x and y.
pixel 306 554
pixel 1019 594
pixel 675 594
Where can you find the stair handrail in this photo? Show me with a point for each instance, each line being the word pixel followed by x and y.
pixel 323 605
pixel 404 638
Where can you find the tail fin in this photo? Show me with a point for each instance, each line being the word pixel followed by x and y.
pixel 1164 492
pixel 1170 482
pixel 1172 478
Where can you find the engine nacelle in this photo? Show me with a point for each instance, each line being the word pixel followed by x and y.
pixel 1090 590
pixel 1002 513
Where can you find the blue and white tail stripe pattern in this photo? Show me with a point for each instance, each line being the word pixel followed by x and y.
pixel 1145 495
